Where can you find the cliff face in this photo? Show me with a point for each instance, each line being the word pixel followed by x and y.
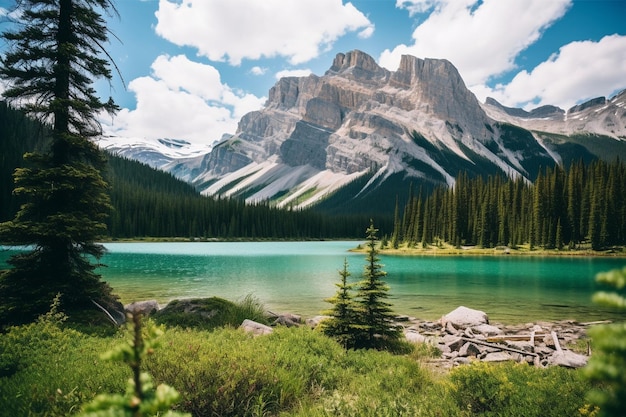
pixel 375 129
pixel 321 132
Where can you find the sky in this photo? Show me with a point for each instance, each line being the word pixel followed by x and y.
pixel 191 69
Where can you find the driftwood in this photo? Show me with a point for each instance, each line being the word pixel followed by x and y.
pixel 499 347
pixel 515 337
pixel 557 345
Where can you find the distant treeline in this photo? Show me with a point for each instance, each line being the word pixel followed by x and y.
pixel 152 203
pixel 585 204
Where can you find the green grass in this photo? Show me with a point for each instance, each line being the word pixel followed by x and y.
pixel 50 370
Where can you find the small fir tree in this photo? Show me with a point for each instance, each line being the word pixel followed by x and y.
pixel 342 322
pixel 376 327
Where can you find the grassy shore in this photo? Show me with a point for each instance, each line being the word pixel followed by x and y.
pixel 445 249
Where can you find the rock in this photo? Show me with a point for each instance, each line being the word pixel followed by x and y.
pixel 313 322
pixel 568 359
pixel 469 349
pixel 453 343
pixel 487 330
pixel 287 321
pixel 464 317
pixel 145 308
pixel 497 357
pixel 414 337
pixel 255 328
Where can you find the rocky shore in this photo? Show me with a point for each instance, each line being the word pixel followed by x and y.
pixel 462 336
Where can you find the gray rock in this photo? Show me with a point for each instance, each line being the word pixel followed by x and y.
pixel 414 337
pixel 568 359
pixel 463 317
pixel 487 329
pixel 145 308
pixel 313 322
pixel 469 349
pixel 255 328
pixel 497 357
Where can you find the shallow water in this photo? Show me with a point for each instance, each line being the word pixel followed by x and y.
pixel 298 276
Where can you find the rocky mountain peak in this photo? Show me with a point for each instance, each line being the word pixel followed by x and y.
pixel 357 64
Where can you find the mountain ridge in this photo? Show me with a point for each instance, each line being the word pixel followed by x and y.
pixel 317 134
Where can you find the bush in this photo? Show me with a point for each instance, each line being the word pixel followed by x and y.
pixel 210 313
pixel 54 370
pixel 484 389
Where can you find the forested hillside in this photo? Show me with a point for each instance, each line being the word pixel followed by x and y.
pixel 152 203
pixel 585 204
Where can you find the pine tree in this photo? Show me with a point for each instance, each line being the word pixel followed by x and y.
pixel 49 69
pixel 376 327
pixel 342 324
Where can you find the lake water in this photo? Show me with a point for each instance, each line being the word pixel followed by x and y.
pixel 298 276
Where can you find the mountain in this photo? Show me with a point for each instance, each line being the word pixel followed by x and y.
pixel 354 138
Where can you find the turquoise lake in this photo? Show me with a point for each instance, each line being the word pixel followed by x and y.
pixel 298 276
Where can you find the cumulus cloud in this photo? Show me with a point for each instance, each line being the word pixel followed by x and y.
pixel 256 70
pixel 481 38
pixel 293 73
pixel 183 99
pixel 234 30
pixel 578 71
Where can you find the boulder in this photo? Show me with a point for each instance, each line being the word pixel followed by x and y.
pixel 469 349
pixel 313 322
pixel 463 317
pixel 497 357
pixel 414 337
pixel 145 308
pixel 255 328
pixel 487 330
pixel 568 359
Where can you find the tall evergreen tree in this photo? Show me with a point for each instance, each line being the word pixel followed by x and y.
pixel 342 324
pixel 53 60
pixel 376 327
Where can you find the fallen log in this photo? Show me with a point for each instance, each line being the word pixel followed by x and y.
pixel 515 337
pixel 496 346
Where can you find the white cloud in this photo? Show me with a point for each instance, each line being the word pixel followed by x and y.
pixel 579 71
pixel 182 99
pixel 481 38
pixel 234 30
pixel 256 70
pixel 293 73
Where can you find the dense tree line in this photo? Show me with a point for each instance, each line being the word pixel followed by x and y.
pixel 584 204
pixel 147 202
pixel 152 203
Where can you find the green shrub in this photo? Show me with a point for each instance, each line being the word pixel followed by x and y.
pixel 210 313
pixel 484 389
pixel 54 370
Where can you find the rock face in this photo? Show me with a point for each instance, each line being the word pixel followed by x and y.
pixel 318 133
pixel 418 124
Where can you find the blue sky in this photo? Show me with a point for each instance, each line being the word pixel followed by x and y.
pixel 193 68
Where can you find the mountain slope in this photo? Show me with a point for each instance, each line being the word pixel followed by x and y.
pixel 362 128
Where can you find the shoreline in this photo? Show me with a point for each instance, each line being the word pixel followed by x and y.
pixel 522 251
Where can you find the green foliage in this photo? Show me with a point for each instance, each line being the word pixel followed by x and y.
pixel 484 389
pixel 230 373
pixel 211 313
pixel 342 322
pixel 49 370
pixel 375 318
pixel 49 71
pixel 608 360
pixel 583 206
pixel 141 399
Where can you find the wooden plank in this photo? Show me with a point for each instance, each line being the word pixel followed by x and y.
pixel 496 346
pixel 514 337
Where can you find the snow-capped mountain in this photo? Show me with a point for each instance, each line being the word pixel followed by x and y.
pixel 362 126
